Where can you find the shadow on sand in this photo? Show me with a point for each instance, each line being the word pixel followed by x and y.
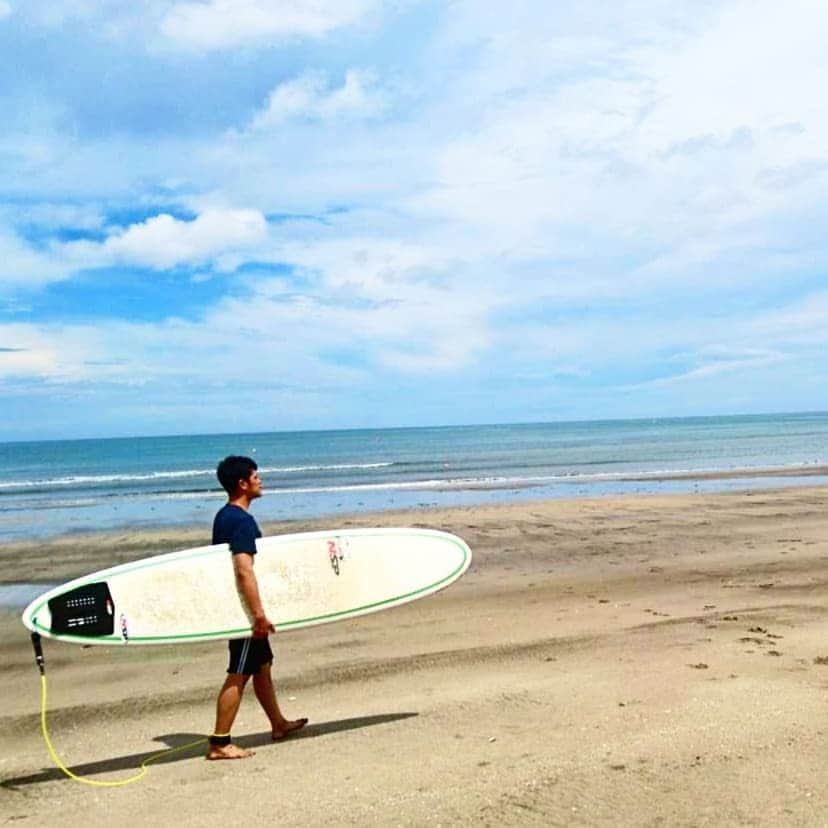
pixel 173 740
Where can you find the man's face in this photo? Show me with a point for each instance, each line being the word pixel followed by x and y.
pixel 253 485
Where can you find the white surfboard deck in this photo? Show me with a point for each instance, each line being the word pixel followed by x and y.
pixel 304 579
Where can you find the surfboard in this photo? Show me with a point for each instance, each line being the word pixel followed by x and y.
pixel 304 579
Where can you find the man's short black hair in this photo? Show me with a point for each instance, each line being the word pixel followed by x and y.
pixel 232 470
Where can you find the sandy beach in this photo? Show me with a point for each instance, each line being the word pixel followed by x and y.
pixel 640 660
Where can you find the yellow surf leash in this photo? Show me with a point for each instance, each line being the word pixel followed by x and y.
pixel 53 753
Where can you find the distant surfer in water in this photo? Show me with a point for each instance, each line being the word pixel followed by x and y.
pixel 234 525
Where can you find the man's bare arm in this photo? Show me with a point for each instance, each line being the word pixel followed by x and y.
pixel 249 589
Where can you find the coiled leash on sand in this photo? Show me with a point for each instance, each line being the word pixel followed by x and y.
pixel 41 664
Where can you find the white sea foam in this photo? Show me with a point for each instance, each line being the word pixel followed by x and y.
pixel 334 467
pixel 402 485
pixel 97 479
pixel 486 483
pixel 81 479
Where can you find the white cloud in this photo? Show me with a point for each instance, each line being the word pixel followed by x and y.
pixel 164 241
pixel 5 9
pixel 311 96
pixel 672 144
pixel 223 24
pixel 395 300
pixel 752 361
pixel 219 237
pixel 364 297
pixel 802 323
pixel 48 353
pixel 51 215
pixel 104 20
pixel 758 66
pixel 23 266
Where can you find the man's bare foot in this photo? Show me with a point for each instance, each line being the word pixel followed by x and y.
pixel 287 727
pixel 228 752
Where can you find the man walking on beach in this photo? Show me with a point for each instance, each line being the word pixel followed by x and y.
pixel 235 526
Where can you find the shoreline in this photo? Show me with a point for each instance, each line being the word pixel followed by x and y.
pixel 157 513
pixel 60 558
pixel 636 660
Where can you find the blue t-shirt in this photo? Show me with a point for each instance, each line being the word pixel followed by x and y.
pixel 236 527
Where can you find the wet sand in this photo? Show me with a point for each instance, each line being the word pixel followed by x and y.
pixel 653 660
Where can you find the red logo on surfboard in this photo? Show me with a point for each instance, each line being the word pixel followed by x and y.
pixel 336 553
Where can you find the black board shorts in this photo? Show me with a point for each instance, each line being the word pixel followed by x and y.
pixel 249 655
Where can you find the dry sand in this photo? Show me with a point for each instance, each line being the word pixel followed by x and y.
pixel 627 661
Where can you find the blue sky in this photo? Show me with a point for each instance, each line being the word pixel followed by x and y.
pixel 253 215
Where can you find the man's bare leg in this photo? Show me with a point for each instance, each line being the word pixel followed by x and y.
pixel 227 707
pixel 266 694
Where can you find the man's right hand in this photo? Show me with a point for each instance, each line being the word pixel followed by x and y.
pixel 262 627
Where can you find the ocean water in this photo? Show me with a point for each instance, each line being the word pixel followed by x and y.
pixel 57 487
